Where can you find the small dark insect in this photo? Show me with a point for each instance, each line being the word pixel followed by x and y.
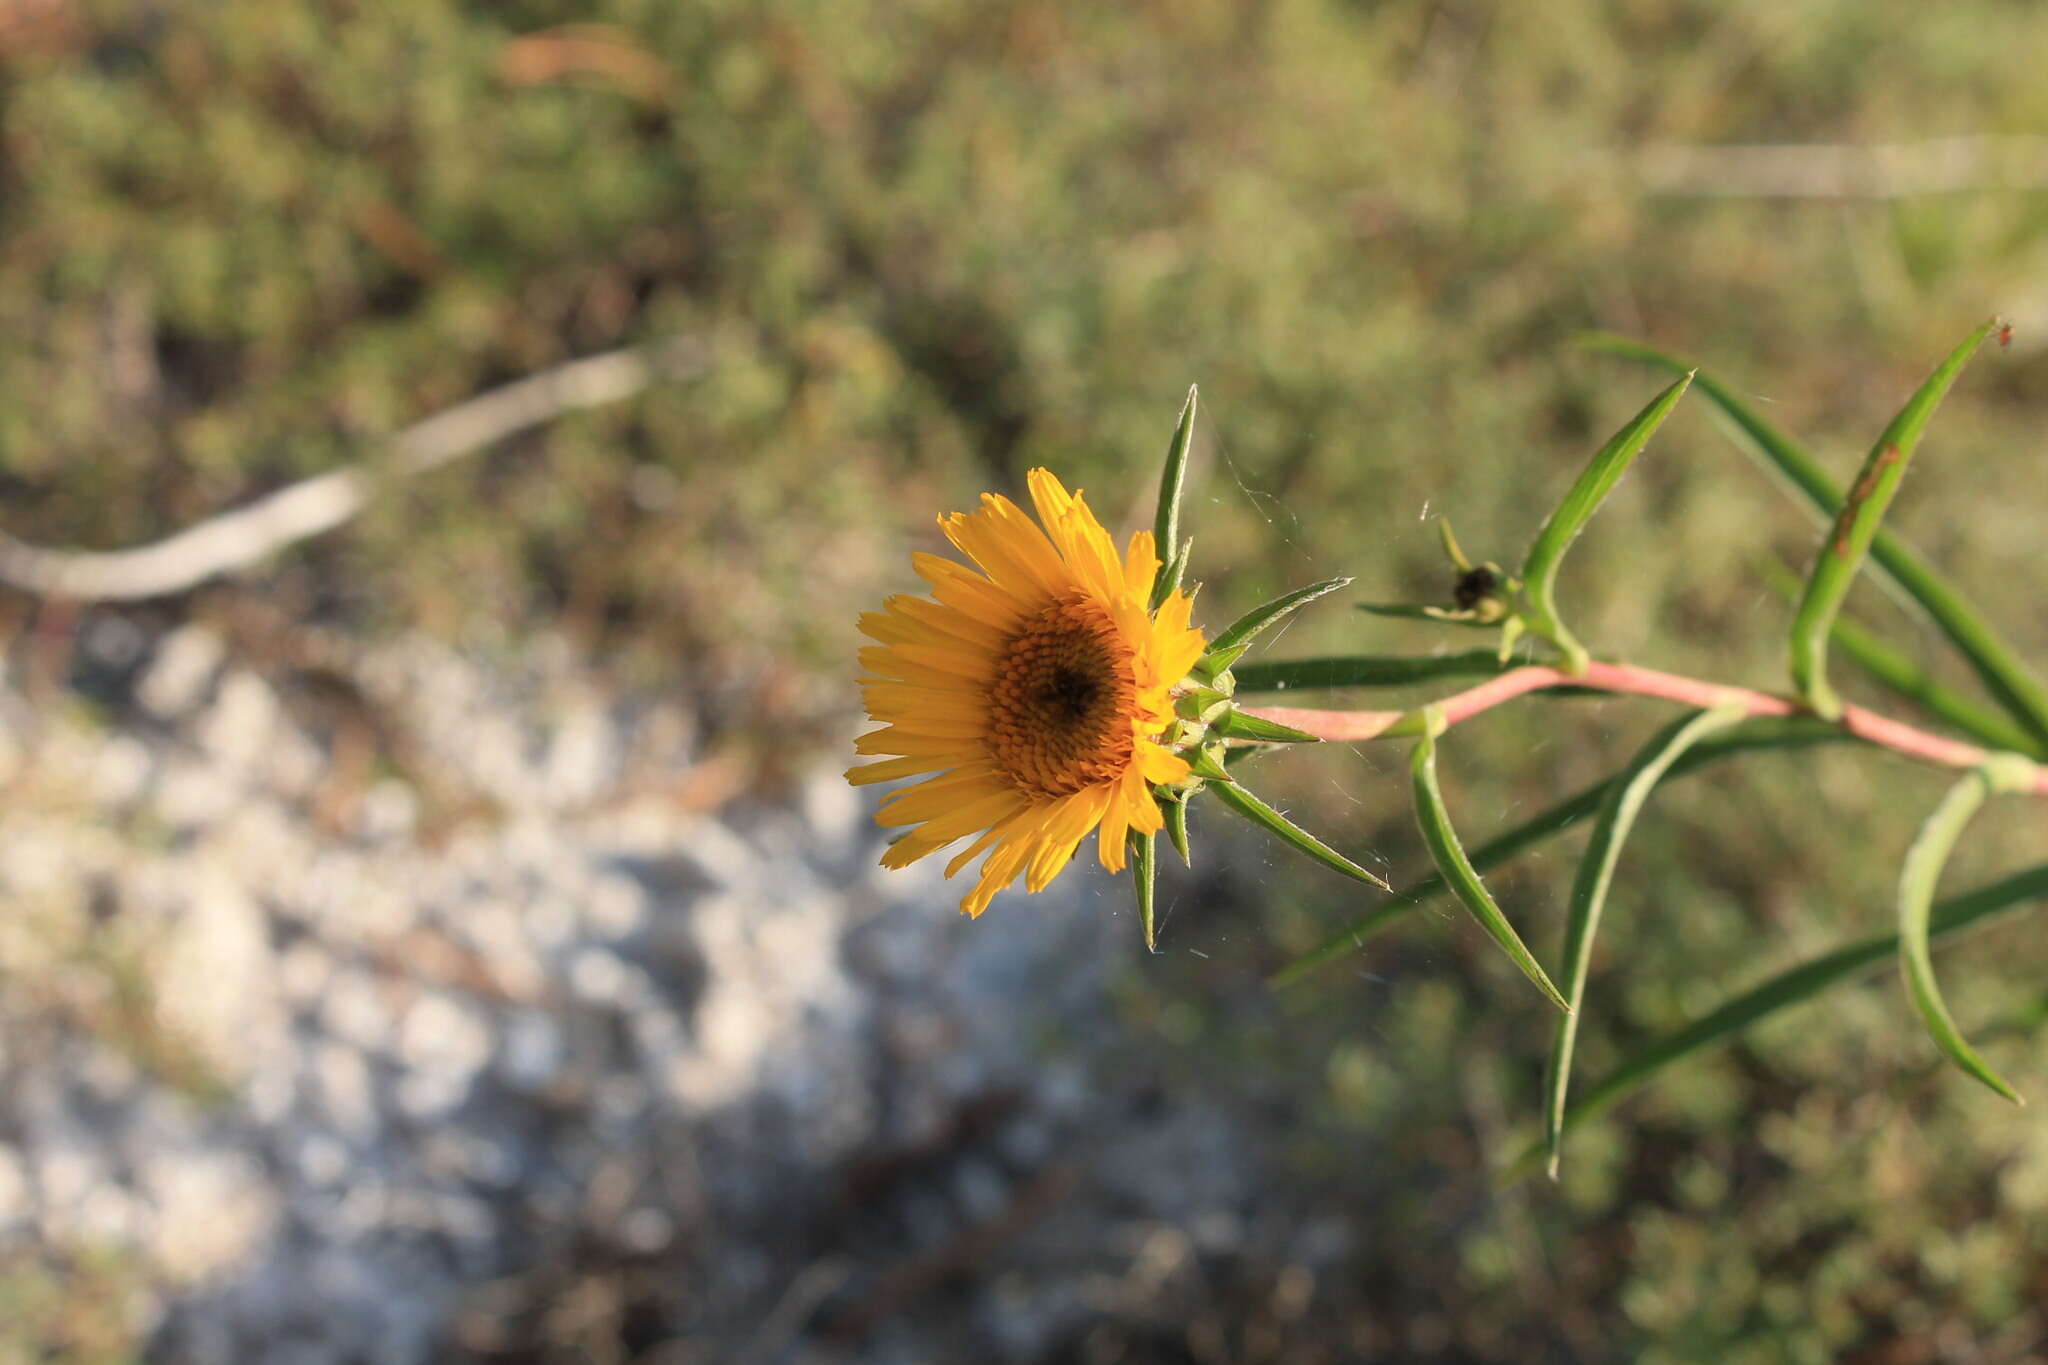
pixel 2005 334
pixel 1474 586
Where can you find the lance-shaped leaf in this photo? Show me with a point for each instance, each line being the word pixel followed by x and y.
pixel 1273 822
pixel 1442 616
pixel 1235 724
pixel 1618 810
pixel 1834 569
pixel 1898 674
pixel 1364 670
pixel 1144 871
pixel 1172 571
pixel 1226 648
pixel 1924 861
pixel 1794 986
pixel 1595 482
pixel 1176 814
pixel 1457 869
pixel 1166 521
pixel 1763 733
pixel 2004 675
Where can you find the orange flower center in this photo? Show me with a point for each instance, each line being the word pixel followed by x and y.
pixel 1059 716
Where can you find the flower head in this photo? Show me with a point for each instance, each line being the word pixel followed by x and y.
pixel 1033 693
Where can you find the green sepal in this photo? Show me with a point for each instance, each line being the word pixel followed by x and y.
pixel 1144 874
pixel 1216 663
pixel 1235 724
pixel 1618 810
pixel 1273 822
pixel 1457 869
pixel 1207 763
pixel 1175 812
pixel 1202 704
pixel 1166 521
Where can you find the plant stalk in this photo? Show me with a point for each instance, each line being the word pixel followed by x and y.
pixel 1631 680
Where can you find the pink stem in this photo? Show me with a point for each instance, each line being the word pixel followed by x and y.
pixel 1641 682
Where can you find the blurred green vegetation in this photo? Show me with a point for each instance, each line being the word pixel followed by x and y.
pixel 928 245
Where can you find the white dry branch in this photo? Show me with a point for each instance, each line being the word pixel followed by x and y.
pixel 1884 170
pixel 236 539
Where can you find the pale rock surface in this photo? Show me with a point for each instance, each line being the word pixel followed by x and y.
pixel 326 1077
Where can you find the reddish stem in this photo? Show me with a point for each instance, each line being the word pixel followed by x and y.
pixel 1630 680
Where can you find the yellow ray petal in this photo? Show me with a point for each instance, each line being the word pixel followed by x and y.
pixel 1141 563
pixel 1014 554
pixel 967 592
pixel 942 796
pixel 999 871
pixel 1077 814
pixel 1139 807
pixel 1111 838
pixel 925 667
pixel 1159 766
pixel 907 740
pixel 948 621
pixel 934 835
pixel 889 769
pixel 968 854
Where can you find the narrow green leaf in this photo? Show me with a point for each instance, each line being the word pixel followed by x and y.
pixel 1364 670
pixel 1898 674
pixel 1166 522
pixel 1240 632
pixel 1794 986
pixel 1176 813
pixel 1595 482
pixel 1623 801
pixel 2004 675
pixel 1922 869
pixel 1453 551
pixel 1171 572
pixel 1439 615
pixel 1144 871
pixel 1510 635
pixel 1855 526
pixel 1235 724
pixel 1769 733
pixel 1273 822
pixel 1457 869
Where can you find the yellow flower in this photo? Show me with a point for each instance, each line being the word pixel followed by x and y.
pixel 1033 691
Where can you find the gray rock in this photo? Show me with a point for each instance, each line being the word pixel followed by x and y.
pixel 183 668
pixel 386 1074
